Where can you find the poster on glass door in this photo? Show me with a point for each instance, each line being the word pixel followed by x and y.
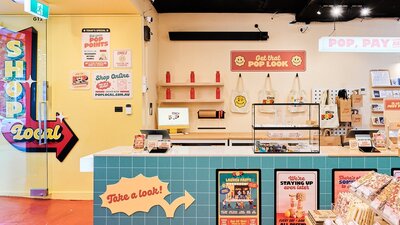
pixel 96 47
pixel 296 192
pixel 112 84
pixel 238 197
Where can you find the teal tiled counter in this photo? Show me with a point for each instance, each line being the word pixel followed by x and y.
pixel 196 174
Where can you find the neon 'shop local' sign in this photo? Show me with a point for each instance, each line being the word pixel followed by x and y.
pixel 18 94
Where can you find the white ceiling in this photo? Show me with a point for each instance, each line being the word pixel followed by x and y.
pixel 60 7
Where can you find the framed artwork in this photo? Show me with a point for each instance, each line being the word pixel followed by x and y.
pixel 238 196
pixel 380 78
pixel 343 178
pixel 296 192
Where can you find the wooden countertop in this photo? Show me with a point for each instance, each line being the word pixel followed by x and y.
pixel 224 136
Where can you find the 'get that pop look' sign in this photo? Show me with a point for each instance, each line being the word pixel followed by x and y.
pixel 268 61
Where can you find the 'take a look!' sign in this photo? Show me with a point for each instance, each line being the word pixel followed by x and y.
pixel 268 61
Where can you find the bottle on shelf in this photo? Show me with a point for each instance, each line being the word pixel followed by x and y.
pixel 168 77
pixel 192 77
pixel 218 93
pixel 217 77
pixel 168 93
pixel 192 93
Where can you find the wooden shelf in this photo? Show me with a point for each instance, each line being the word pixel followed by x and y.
pixel 377 111
pixel 376 98
pixel 388 86
pixel 200 84
pixel 191 101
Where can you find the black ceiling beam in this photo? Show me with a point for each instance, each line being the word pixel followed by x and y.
pixel 217 36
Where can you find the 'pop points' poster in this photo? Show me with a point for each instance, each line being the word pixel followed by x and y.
pixel 239 199
pixel 296 192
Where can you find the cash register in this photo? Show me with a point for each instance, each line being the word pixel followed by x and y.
pixel 157 141
pixel 364 139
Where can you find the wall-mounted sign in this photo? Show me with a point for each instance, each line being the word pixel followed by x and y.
pixel 392 104
pixel 36 8
pixel 359 44
pixel 396 173
pixel 122 58
pixel 96 47
pixel 343 178
pixel 18 95
pixel 80 80
pixel 296 192
pixel 112 84
pixel 268 61
pixel 238 197
pixel 140 194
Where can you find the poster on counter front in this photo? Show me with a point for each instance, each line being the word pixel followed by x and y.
pixel 112 84
pixel 343 178
pixel 122 58
pixel 396 173
pixel 238 197
pixel 96 47
pixel 296 192
pixel 80 80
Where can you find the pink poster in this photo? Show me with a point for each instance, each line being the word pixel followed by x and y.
pixel 343 178
pixel 396 173
pixel 296 192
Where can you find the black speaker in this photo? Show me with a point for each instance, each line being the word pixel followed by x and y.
pixel 147 33
pixel 218 36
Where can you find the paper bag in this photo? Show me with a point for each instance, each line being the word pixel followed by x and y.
pixel 328 140
pixel 356 101
pixel 344 110
pixel 356 120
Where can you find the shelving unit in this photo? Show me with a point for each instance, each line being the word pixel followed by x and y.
pixel 191 101
pixel 200 84
pixel 375 100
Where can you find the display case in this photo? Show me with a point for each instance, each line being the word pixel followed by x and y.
pixel 286 128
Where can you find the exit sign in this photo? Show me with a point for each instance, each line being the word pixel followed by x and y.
pixel 36 8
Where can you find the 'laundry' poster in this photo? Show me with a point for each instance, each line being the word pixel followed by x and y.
pixel 112 84
pixel 96 47
pixel 238 197
pixel 296 192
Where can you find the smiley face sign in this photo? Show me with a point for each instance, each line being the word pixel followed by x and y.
pixel 239 60
pixel 240 101
pixel 296 60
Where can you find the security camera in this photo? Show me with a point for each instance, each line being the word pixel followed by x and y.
pixel 303 29
pixel 149 19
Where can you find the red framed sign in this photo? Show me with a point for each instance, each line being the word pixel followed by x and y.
pixel 268 61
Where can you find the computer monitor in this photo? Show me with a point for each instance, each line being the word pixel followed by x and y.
pixel 173 118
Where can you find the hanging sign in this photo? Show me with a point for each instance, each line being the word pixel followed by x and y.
pixel 96 47
pixel 18 106
pixel 343 178
pixel 296 192
pixel 359 44
pixel 140 194
pixel 112 84
pixel 396 173
pixel 238 197
pixel 392 104
pixel 268 61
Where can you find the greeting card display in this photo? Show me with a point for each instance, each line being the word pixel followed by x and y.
pixel 238 196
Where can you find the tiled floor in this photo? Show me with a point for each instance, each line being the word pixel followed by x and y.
pixel 25 211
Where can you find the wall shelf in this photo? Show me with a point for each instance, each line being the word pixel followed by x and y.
pixel 191 101
pixel 200 84
pixel 388 86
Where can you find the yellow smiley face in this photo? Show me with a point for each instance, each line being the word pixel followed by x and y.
pixel 296 60
pixel 239 60
pixel 240 101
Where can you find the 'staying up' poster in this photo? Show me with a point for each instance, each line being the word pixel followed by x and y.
pixel 296 192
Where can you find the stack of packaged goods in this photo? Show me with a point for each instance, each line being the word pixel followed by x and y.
pixel 318 217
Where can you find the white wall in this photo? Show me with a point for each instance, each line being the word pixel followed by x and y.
pixel 324 70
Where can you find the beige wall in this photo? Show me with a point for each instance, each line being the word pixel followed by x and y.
pixel 324 70
pixel 95 123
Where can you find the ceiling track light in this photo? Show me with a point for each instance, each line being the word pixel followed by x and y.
pixel 365 11
pixel 336 11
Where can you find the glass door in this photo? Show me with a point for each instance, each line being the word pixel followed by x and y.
pixel 23 107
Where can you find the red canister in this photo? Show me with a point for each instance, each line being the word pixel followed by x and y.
pixel 217 77
pixel 168 93
pixel 192 79
pixel 192 93
pixel 168 77
pixel 218 93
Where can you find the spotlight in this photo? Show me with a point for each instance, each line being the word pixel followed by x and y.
pixel 149 19
pixel 336 11
pixel 365 11
pixel 319 12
